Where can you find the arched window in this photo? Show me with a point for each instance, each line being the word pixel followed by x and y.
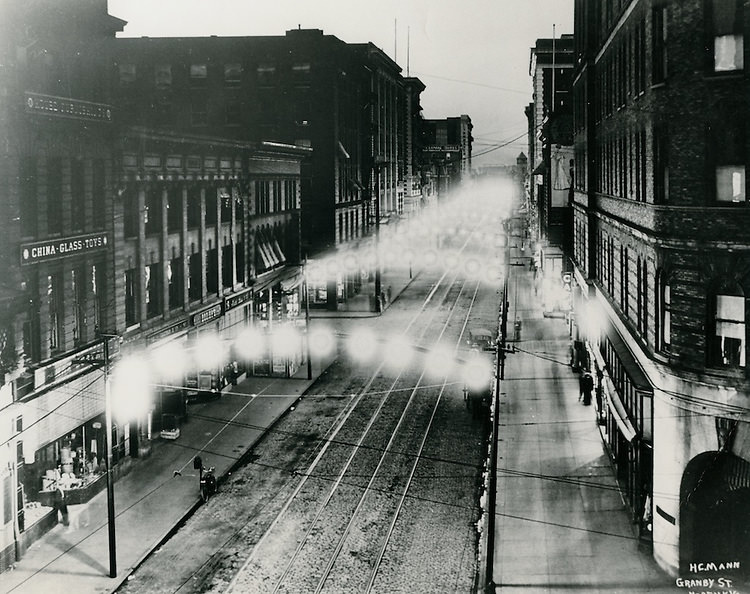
pixel 727 340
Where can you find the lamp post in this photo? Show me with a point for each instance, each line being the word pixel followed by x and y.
pixel 108 462
pixel 307 319
pixel 499 375
pixel 378 164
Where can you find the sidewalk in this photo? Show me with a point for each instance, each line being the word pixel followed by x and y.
pixel 561 524
pixel 151 499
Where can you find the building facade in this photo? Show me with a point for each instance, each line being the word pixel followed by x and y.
pixel 348 102
pixel 446 151
pixel 661 252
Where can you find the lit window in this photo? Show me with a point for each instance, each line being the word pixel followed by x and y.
pixel 727 33
pixel 729 331
pixel 730 183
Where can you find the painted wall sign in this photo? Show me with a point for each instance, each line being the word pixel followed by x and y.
pixel 63 247
pixel 67 108
pixel 207 315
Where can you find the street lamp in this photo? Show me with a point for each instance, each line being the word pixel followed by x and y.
pixel 378 164
pixel 133 374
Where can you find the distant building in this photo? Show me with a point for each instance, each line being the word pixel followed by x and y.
pixel 662 264
pixel 446 151
pixel 550 149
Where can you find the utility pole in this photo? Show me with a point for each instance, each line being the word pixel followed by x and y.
pixel 108 463
pixel 307 319
pixel 494 435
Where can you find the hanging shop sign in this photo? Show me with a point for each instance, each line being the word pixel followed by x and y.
pixel 207 315
pixel 237 299
pixel 63 107
pixel 51 249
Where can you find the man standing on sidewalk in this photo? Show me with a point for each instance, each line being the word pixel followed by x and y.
pixel 60 505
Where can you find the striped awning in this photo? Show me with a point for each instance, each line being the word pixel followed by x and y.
pixel 269 251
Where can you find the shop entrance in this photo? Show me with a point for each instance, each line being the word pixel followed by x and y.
pixel 715 518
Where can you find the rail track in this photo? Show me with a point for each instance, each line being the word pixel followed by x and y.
pixel 336 535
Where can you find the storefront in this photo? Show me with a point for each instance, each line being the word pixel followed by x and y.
pixel 279 315
pixel 624 402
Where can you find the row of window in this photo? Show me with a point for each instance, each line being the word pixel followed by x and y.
pixel 198 74
pixel 233 271
pixel 622 170
pixel 623 162
pixel 726 339
pixel 48 186
pixel 271 197
pixel 83 287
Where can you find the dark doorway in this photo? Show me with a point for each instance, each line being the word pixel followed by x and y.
pixel 715 517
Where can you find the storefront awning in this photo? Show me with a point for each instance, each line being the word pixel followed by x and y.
pixel 271 254
pixel 618 411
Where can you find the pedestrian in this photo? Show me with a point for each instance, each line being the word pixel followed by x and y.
pixel 587 386
pixel 60 504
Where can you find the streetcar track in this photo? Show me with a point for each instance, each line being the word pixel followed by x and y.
pixel 353 405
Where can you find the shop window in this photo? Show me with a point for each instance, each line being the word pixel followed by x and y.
pixel 28 195
pixel 728 329
pixel 78 281
pixel 54 195
pixel 130 297
pixel 97 292
pixel 55 311
pixel 727 34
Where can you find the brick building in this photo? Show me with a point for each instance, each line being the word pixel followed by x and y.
pixel 149 236
pixel 661 261
pixel 346 101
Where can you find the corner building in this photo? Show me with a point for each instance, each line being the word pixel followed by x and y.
pixel 662 263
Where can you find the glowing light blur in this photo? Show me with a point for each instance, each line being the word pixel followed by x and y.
pixel 170 361
pixel 210 351
pixel 285 340
pixel 398 352
pixel 322 341
pixel 473 268
pixel 477 371
pixel 439 362
pixel 250 344
pixel 362 345
pixel 130 388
